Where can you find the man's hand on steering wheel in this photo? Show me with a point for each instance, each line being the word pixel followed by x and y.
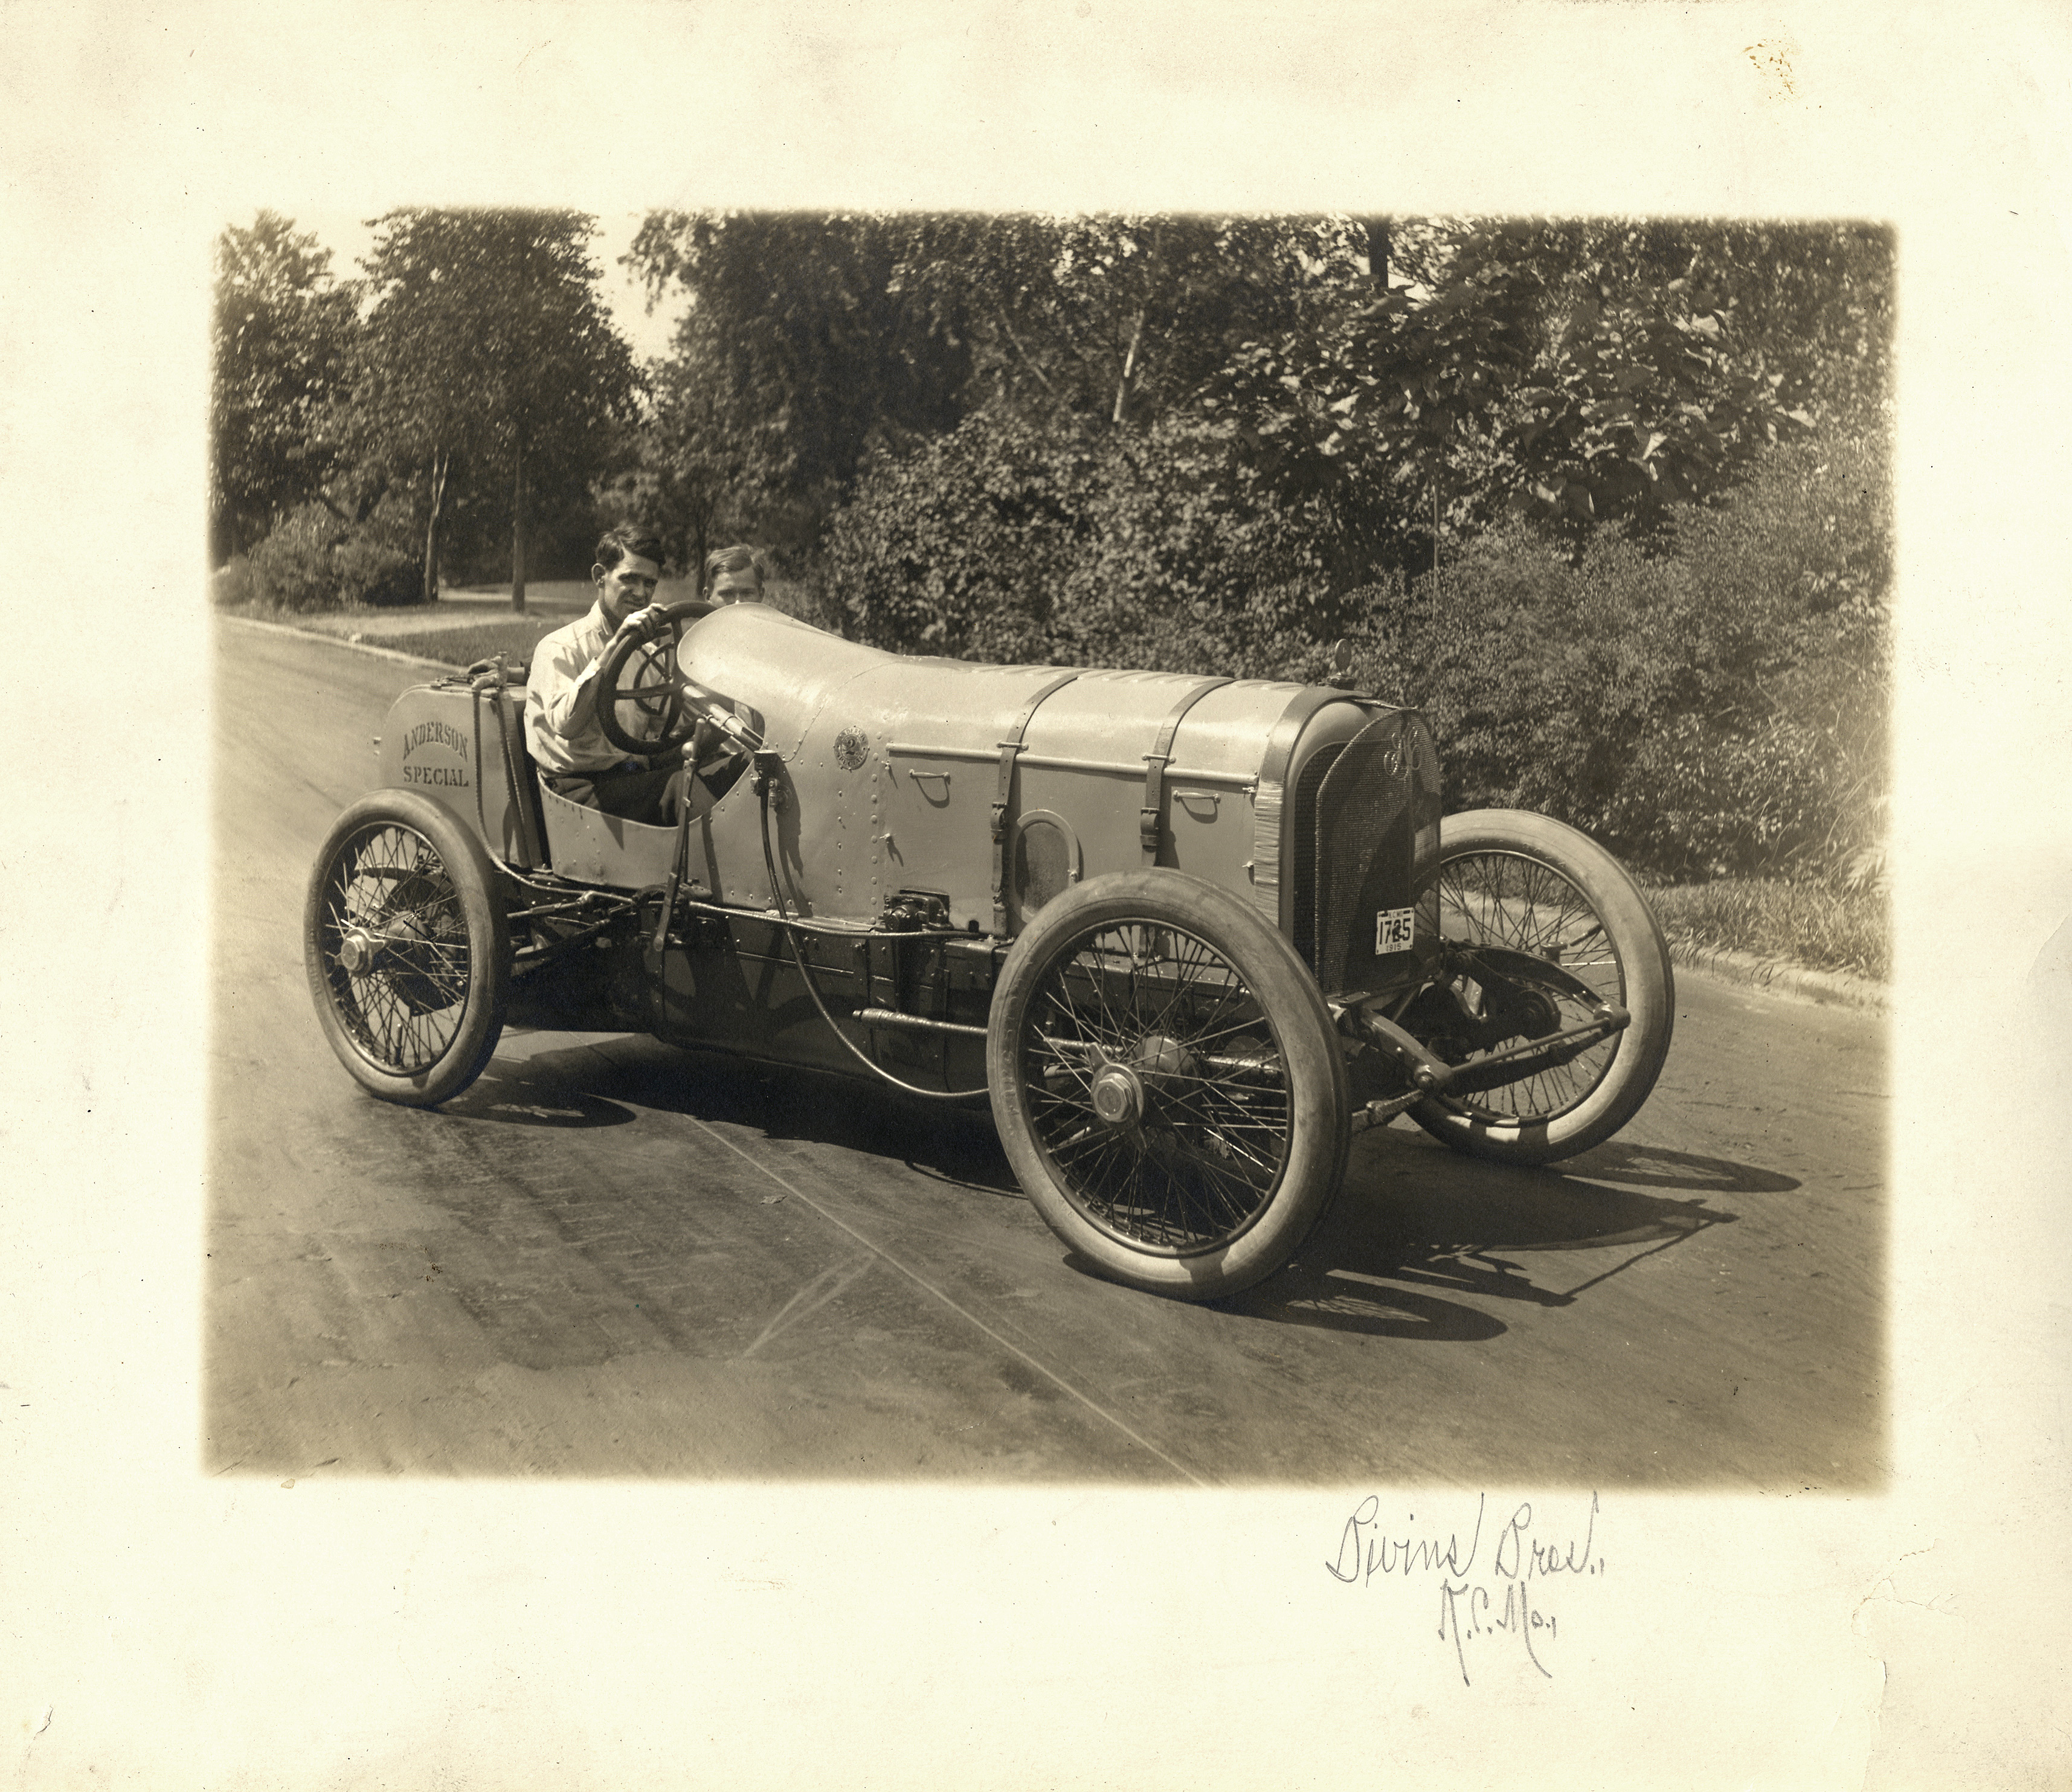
pixel 685 711
pixel 641 622
pixel 638 667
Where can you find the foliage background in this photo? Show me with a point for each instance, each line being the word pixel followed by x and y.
pixel 1609 498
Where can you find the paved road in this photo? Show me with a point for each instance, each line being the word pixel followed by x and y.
pixel 611 1258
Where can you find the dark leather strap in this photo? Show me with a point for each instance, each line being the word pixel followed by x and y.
pixel 1010 745
pixel 1157 760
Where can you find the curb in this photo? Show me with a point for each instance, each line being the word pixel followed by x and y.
pixel 1833 988
pixel 345 641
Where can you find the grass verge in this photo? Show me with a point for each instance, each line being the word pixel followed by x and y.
pixel 1822 926
pixel 515 638
pixel 458 641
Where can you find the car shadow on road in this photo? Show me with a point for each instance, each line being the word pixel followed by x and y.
pixel 1651 1166
pixel 518 1100
pixel 1414 1212
pixel 952 1143
pixel 1418 1231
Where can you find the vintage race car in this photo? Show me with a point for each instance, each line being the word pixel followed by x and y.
pixel 1187 934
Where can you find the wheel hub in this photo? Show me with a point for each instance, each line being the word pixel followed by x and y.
pixel 356 951
pixel 1531 1012
pixel 1158 1057
pixel 1541 1015
pixel 1118 1094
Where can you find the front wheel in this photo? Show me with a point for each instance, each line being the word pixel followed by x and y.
pixel 407 947
pixel 1167 1084
pixel 1533 885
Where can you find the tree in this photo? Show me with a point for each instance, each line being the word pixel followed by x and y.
pixel 1395 383
pixel 1119 318
pixel 813 342
pixel 687 468
pixel 489 355
pixel 1569 372
pixel 283 331
pixel 800 352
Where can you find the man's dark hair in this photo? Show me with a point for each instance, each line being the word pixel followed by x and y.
pixel 624 543
pixel 739 558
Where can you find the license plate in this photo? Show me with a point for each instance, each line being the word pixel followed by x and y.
pixel 1393 930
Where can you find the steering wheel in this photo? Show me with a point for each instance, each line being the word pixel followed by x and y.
pixel 639 669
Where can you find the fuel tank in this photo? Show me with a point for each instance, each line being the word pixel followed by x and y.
pixel 995 787
pixel 466 749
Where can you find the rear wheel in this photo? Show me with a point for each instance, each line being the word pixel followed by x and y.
pixel 407 948
pixel 1533 885
pixel 1168 1084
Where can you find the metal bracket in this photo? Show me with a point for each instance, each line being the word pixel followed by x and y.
pixel 1156 762
pixel 1427 1075
pixel 1010 745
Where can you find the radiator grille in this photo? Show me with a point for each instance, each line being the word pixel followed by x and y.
pixel 1375 805
pixel 1301 895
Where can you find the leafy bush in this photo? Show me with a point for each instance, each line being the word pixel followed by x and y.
pixel 1778 755
pixel 964 546
pixel 1193 567
pixel 1718 707
pixel 374 569
pixel 314 559
pixel 1007 541
pixel 291 569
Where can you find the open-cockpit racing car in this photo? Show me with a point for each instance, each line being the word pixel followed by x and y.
pixel 1188 934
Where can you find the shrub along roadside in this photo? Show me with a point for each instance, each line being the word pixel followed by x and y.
pixel 314 560
pixel 1014 542
pixel 1718 708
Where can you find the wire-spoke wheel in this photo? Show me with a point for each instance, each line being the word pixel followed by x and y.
pixel 1533 886
pixel 407 947
pixel 1168 1083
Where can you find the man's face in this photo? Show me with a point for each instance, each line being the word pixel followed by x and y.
pixel 628 587
pixel 737 588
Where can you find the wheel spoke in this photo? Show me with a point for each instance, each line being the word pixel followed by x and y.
pixel 1205 1159
pixel 405 1005
pixel 1508 899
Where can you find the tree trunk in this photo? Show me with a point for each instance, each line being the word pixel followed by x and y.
pixel 1377 252
pixel 518 532
pixel 1129 366
pixel 442 460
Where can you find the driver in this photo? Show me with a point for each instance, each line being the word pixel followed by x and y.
pixel 574 759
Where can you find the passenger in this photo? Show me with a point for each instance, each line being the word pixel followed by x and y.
pixel 561 729
pixel 734 575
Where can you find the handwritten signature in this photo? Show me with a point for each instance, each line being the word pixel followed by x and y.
pixel 1521 1561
